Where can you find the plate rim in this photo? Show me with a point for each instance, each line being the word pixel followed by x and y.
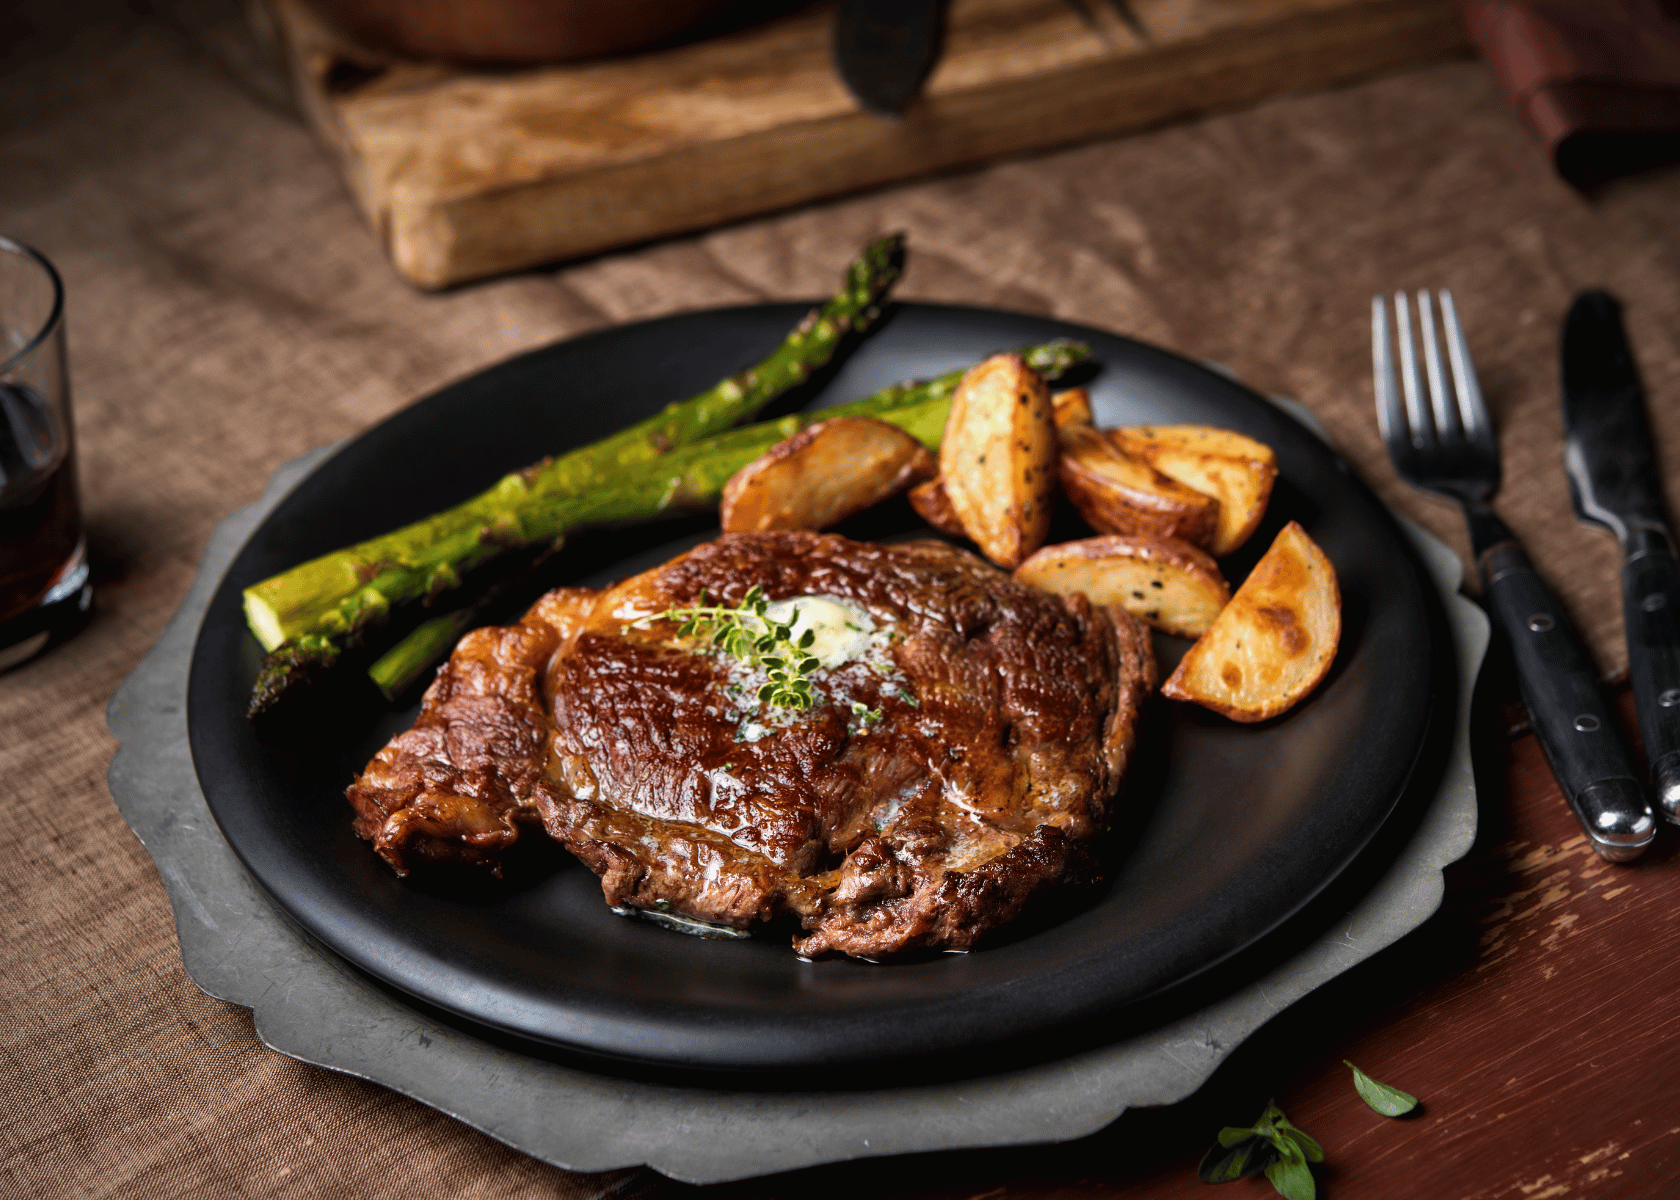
pixel 784 309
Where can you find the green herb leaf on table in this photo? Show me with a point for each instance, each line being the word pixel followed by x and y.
pixel 1272 1145
pixel 1308 1146
pixel 1246 1154
pixel 1310 1149
pixel 1389 1101
pixel 1292 1178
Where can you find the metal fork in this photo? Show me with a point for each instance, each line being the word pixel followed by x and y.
pixel 1442 440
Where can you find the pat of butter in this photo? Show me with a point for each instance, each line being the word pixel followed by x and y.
pixel 842 630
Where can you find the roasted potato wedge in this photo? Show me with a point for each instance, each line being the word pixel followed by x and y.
pixel 998 458
pixel 1168 583
pixel 822 475
pixel 1072 407
pixel 1118 492
pixel 1236 470
pixel 934 506
pixel 1274 642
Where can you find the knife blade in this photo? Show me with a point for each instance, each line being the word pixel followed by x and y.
pixel 885 49
pixel 1615 484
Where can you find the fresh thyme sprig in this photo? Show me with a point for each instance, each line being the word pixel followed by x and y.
pixel 751 636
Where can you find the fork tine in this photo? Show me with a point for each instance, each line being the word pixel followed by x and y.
pixel 1441 401
pixel 1391 418
pixel 1471 406
pixel 1422 430
pixel 1450 451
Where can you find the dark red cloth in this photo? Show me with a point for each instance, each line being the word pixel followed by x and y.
pixel 1597 80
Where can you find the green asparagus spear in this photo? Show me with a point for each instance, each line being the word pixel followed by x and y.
pixel 306 616
pixel 681 481
pixel 694 477
pixel 395 671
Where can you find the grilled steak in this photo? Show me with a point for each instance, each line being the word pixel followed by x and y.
pixel 962 753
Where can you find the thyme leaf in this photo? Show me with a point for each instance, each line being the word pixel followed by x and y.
pixel 747 634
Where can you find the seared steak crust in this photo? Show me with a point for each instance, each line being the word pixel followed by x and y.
pixel 1006 720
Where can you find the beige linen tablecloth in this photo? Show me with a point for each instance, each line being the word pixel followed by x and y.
pixel 227 312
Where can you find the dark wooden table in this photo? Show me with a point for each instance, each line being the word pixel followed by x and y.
pixel 1536 1016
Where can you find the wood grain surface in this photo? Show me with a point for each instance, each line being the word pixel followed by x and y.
pixel 1533 1016
pixel 469 173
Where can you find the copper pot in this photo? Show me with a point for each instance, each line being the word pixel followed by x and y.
pixel 518 31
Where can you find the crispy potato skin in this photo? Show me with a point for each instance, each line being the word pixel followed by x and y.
pixel 822 475
pixel 1120 493
pixel 1207 439
pixel 1274 642
pixel 1165 582
pixel 998 458
pixel 1236 470
pixel 1071 407
pixel 934 506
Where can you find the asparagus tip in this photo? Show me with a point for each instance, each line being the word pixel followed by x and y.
pixel 291 668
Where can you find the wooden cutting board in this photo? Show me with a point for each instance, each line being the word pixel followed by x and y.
pixel 469 173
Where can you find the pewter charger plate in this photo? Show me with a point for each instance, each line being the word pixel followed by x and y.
pixel 1227 830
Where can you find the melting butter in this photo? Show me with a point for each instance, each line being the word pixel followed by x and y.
pixel 843 631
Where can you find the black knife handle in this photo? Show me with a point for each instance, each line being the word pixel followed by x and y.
pixel 1560 690
pixel 1651 611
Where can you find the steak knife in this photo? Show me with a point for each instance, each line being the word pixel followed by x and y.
pixel 1615 484
pixel 885 49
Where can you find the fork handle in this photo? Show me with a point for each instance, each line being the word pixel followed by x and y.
pixel 1651 612
pixel 1560 690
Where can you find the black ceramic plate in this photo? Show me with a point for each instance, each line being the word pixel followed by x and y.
pixel 1227 829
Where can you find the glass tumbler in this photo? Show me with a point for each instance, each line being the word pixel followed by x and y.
pixel 44 587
